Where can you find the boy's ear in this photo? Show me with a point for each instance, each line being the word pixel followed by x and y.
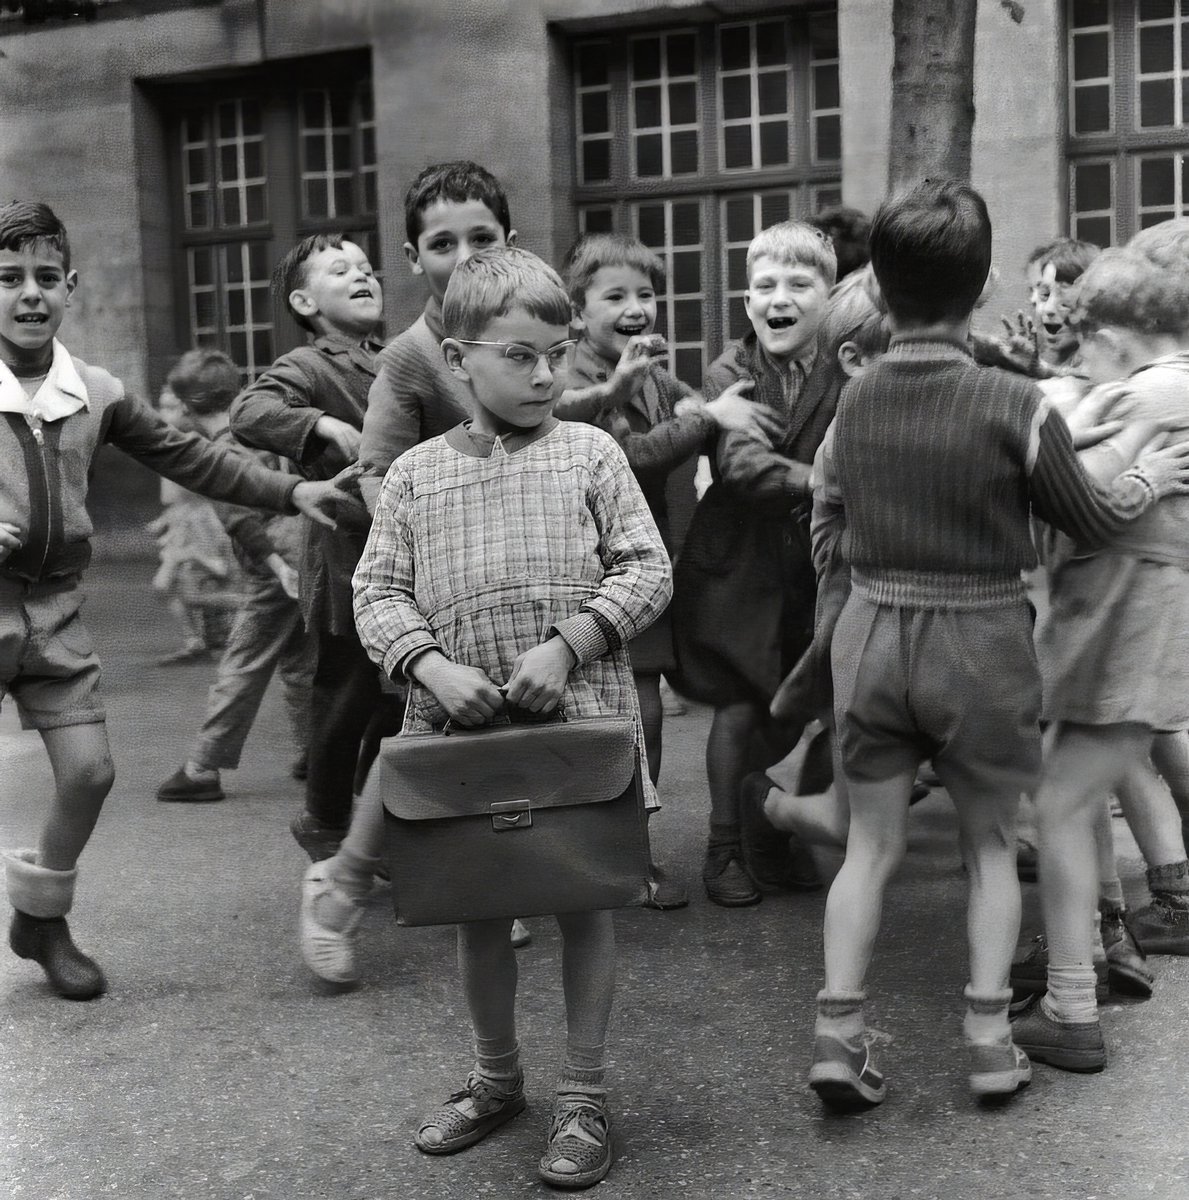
pixel 414 258
pixel 71 284
pixel 850 359
pixel 510 240
pixel 302 303
pixel 452 352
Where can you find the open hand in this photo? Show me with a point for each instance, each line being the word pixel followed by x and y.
pixel 1166 467
pixel 1087 419
pixel 637 356
pixel 343 437
pixel 330 500
pixel 733 410
pixel 539 676
pixel 10 539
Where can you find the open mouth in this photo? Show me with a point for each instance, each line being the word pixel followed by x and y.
pixel 1053 330
pixel 633 329
pixel 362 294
pixel 31 319
pixel 781 322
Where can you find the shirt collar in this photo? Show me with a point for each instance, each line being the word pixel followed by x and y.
pixel 62 392
pixel 473 442
pixel 334 343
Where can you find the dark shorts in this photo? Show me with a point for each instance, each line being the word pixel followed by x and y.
pixel 959 686
pixel 48 662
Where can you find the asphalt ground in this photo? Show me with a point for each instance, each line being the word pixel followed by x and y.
pixel 216 1067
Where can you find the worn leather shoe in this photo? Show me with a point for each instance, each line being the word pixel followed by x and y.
pixel 47 941
pixel 726 882
pixel 1059 1043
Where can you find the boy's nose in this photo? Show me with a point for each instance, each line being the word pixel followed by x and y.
pixel 542 376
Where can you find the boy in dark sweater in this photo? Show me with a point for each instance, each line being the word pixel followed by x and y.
pixel 937 465
pixel 55 413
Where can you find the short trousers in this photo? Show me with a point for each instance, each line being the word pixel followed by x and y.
pixel 958 686
pixel 48 662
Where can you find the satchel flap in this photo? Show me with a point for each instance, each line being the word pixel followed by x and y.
pixel 428 776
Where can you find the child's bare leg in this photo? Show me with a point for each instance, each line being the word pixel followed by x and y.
pixel 821 820
pixel 1151 814
pixel 874 850
pixel 41 882
pixel 1170 756
pixel 1110 887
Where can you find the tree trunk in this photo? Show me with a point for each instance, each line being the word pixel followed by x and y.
pixel 932 90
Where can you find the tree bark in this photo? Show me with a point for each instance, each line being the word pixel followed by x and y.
pixel 932 90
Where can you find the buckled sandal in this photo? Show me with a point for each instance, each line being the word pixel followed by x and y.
pixel 449 1129
pixel 579 1150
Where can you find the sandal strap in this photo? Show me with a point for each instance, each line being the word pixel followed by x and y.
pixel 572 1118
pixel 487 1095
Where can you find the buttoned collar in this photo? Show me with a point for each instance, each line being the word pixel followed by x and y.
pixel 61 393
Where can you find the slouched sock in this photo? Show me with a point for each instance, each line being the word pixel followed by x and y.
pixel 840 1015
pixel 1070 997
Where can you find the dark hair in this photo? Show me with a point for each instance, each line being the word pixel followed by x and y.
pixel 931 251
pixel 26 222
pixel 493 283
pixel 1067 256
pixel 458 181
pixel 290 272
pixel 848 229
pixel 595 250
pixel 1126 288
pixel 205 381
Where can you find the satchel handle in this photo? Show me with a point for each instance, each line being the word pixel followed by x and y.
pixel 556 717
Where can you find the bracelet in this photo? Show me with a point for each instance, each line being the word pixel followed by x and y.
pixel 1141 477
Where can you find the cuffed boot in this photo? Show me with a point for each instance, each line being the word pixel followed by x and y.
pixel 41 899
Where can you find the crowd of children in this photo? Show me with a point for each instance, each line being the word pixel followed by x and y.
pixel 487 527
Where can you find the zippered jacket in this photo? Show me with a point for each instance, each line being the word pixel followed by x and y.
pixel 45 471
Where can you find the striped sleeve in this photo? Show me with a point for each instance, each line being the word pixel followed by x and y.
pixel 1065 496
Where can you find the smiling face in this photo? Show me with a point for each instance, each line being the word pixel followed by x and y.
pixel 620 304
pixel 340 294
pixel 1052 302
pixel 35 290
pixel 451 231
pixel 510 397
pixel 785 303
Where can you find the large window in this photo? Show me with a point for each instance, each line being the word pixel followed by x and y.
pixel 694 139
pixel 261 161
pixel 1128 116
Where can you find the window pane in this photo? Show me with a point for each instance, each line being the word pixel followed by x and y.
pixel 1155 10
pixel 687 225
pixel 825 87
pixel 340 147
pixel 598 220
pixel 229 203
pixel 737 322
pixel 253 160
pixel 683 150
pixel 648 107
pixel 735 48
pixel 770 49
pixel 652 224
pixel 649 155
pixel 773 207
pixel 1156 182
pixel 683 54
pixel 687 366
pixel 596 112
pixel 774 143
pixel 823 34
pixel 258 260
pixel 1155 49
pixel 1156 103
pixel 314 149
pixel 367 147
pixel 229 162
pixel 340 109
pixel 687 320
pixel 194 127
pixel 687 273
pixel 736 97
pixel 1094 229
pixel 1148 219
pixel 1092 56
pixel 227 119
pixel 198 216
pixel 369 195
pixel 253 123
pixel 593 63
pixel 204 310
pixel 739 219
pixel 196 165
pixel 596 161
pixel 313 109
pixel 255 199
pixel 344 199
pixel 202 267
pixel 317 198
pixel 1091 109
pixel 683 104
pixel 646 58
pixel 1091 12
pixel 1092 187
pixel 262 347
pixel 736 146
pixel 237 347
pixel 737 267
pixel 774 93
pixel 829 139
pixel 235 307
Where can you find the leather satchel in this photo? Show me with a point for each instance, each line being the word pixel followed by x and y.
pixel 514 820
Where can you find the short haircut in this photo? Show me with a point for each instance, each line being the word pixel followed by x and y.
pixel 458 181
pixel 27 222
pixel 795 243
pixel 204 381
pixel 848 310
pixel 931 251
pixel 1127 289
pixel 1166 244
pixel 593 251
pixel 872 336
pixel 848 230
pixel 290 273
pixel 1068 257
pixel 495 282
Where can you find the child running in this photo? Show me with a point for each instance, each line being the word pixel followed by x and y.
pixel 937 463
pixel 513 558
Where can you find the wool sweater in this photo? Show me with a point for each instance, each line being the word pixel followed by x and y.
pixel 45 473
pixel 939 464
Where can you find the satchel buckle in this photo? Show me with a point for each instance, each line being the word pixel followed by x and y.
pixel 511 814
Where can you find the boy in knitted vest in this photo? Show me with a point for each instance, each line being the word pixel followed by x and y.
pixel 937 465
pixel 55 413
